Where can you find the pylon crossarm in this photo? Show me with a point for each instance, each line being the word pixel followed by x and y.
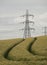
pixel 23 16
pixel 32 28
pixel 31 22
pixel 21 29
pixel 31 15
pixel 22 22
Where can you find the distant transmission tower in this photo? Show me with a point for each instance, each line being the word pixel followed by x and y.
pixel 27 28
pixel 45 30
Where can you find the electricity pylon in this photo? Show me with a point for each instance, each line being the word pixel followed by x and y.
pixel 27 28
pixel 45 30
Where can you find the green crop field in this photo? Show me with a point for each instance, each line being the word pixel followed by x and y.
pixel 30 51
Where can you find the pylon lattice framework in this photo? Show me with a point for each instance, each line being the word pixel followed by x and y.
pixel 27 28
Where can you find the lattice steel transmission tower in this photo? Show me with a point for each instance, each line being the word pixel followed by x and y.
pixel 27 32
pixel 45 30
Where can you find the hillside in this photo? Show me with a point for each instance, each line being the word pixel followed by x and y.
pixel 30 51
pixel 40 46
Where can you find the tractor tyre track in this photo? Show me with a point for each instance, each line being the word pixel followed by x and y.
pixel 8 50
pixel 30 46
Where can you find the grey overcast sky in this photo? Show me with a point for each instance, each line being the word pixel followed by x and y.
pixel 11 9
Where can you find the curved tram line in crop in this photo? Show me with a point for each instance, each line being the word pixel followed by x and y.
pixel 29 48
pixel 8 50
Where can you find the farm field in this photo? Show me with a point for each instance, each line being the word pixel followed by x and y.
pixel 40 46
pixel 29 51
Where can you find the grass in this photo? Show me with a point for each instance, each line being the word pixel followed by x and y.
pixel 40 46
pixel 28 52
pixel 20 52
pixel 4 45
